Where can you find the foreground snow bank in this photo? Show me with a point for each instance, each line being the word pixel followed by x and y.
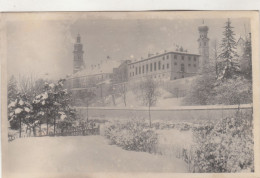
pixel 82 154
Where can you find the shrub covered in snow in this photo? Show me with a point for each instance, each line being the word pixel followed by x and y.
pixel 50 106
pixel 226 146
pixel 133 134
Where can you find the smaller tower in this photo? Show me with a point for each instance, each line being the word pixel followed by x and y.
pixel 203 42
pixel 78 62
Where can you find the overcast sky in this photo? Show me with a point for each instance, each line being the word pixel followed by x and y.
pixel 46 46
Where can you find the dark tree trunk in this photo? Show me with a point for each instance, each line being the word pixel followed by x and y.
pixel 87 111
pixel 54 126
pixel 150 121
pixel 20 133
pixel 47 126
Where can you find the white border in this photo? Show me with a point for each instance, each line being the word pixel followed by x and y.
pixel 125 5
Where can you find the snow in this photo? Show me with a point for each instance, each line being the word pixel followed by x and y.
pixel 41 113
pixel 105 67
pixel 27 109
pixel 18 110
pixel 21 103
pixel 63 116
pixel 45 95
pixel 12 104
pixel 52 85
pixel 85 154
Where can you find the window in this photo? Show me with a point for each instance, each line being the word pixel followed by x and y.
pixel 174 78
pixel 155 66
pixel 175 56
pixel 175 63
pixel 182 57
pixel 168 66
pixel 163 67
pixel 163 58
pixel 143 68
pixel 151 67
pixel 147 67
pixel 159 65
pixel 133 74
pixel 182 76
pixel 130 74
pixel 194 65
pixel 182 67
pixel 167 56
pixel 195 59
pixel 189 65
pixel 189 58
pixel 139 69
pixel 136 71
pixel 205 43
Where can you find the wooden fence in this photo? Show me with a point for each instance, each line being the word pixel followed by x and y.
pixel 72 131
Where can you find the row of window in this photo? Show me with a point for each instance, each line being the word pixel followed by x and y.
pixel 189 57
pixel 194 65
pixel 175 57
pixel 145 68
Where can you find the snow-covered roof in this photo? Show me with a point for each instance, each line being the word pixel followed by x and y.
pixel 105 66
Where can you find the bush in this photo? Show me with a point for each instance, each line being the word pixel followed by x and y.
pixel 226 146
pixel 132 135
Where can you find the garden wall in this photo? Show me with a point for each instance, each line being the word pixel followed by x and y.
pixel 183 114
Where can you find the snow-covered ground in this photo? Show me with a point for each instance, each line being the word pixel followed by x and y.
pixel 83 154
pixel 172 141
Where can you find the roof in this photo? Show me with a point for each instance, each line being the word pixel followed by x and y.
pixel 162 54
pixel 105 66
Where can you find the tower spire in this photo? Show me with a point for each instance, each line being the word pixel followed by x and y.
pixel 78 61
pixel 203 43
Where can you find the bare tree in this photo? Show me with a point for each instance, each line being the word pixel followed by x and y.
pixel 215 52
pixel 123 91
pixel 149 94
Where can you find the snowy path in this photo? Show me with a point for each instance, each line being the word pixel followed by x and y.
pixel 83 154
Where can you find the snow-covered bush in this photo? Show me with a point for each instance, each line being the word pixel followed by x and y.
pixel 19 111
pixel 226 146
pixel 133 134
pixel 50 106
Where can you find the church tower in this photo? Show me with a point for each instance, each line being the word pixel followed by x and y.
pixel 78 62
pixel 203 44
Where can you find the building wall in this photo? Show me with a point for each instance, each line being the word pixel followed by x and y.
pixel 165 66
pixel 187 62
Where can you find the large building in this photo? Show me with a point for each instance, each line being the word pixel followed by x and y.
pixel 165 66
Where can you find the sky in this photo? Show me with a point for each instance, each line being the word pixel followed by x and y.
pixel 45 47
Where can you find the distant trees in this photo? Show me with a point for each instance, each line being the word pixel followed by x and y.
pixel 12 89
pixel 224 82
pixel 228 66
pixel 247 56
pixel 148 94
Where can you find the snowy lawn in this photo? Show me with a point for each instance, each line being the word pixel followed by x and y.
pixel 172 141
pixel 83 154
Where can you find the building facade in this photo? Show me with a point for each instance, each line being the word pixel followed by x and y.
pixel 167 66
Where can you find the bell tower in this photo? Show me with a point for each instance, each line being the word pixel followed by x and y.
pixel 203 42
pixel 78 62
